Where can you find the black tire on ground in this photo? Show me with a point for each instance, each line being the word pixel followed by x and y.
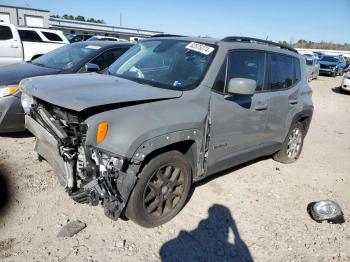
pixel 334 74
pixel 161 190
pixel 284 155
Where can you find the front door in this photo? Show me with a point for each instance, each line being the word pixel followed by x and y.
pixel 237 122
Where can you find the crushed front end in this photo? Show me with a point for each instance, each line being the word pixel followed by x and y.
pixel 90 175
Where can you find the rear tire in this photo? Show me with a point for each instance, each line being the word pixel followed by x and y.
pixel 161 191
pixel 292 145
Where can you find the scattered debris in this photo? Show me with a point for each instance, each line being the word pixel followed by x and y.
pixel 120 244
pixel 71 229
pixel 326 210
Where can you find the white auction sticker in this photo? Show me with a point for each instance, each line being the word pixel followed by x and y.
pixel 201 48
pixel 96 47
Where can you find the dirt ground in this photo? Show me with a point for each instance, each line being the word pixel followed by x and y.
pixel 254 212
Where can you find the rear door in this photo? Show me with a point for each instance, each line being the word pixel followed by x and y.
pixel 237 122
pixel 11 50
pixel 284 90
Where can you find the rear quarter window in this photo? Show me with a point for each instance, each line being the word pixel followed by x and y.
pixel 52 36
pixel 282 73
pixel 297 71
pixel 5 33
pixel 29 36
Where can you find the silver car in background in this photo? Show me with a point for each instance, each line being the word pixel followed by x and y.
pixel 312 66
pixel 345 85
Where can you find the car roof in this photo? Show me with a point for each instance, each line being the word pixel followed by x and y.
pixel 104 44
pixel 38 28
pixel 234 42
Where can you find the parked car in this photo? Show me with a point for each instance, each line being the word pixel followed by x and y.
pixel 170 111
pixel 77 38
pixel 312 66
pixel 106 38
pixel 332 65
pixel 345 85
pixel 19 44
pixel 74 58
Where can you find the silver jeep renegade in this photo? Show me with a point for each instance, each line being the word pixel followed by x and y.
pixel 172 110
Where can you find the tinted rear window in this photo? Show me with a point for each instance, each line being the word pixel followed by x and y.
pixel 282 71
pixel 29 36
pixel 5 33
pixel 297 71
pixel 52 36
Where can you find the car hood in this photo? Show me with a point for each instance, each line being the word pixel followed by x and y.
pixel 81 91
pixel 13 74
pixel 328 63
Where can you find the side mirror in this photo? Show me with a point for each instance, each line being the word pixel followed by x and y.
pixel 89 68
pixel 241 86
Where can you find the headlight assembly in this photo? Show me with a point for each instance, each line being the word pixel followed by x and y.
pixel 8 90
pixel 27 101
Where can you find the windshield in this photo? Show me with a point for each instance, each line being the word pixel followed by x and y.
pixel 65 57
pixel 163 63
pixel 329 59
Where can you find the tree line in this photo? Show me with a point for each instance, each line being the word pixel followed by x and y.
pixel 80 18
pixel 318 45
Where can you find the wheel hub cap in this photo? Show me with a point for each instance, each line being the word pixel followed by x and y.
pixel 294 143
pixel 164 190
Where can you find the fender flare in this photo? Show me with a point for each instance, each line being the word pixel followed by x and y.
pixel 304 114
pixel 168 139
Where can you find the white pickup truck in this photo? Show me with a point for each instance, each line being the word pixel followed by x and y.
pixel 19 44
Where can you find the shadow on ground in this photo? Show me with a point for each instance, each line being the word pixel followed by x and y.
pixel 17 134
pixel 215 239
pixel 338 91
pixel 4 191
pixel 229 171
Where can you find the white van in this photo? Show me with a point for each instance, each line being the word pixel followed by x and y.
pixel 19 44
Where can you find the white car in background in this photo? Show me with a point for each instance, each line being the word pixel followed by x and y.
pixel 345 85
pixel 312 66
pixel 106 38
pixel 18 44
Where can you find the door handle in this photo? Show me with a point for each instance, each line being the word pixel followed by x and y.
pixel 293 101
pixel 260 107
pixel 13 46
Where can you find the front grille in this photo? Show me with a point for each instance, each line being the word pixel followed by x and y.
pixel 326 66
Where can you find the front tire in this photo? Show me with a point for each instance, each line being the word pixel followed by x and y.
pixel 161 191
pixel 292 145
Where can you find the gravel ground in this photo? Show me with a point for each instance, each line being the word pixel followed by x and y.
pixel 254 212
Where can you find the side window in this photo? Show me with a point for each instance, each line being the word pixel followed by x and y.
pixel 219 84
pixel 29 36
pixel 282 71
pixel 247 64
pixel 5 33
pixel 297 71
pixel 52 36
pixel 107 58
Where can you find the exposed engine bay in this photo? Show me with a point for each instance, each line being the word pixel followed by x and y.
pixel 91 175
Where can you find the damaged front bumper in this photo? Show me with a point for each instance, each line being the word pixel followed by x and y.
pixel 90 175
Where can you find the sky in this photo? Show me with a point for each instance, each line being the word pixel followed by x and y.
pixel 288 20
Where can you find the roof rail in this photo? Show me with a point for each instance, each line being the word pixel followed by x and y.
pixel 258 41
pixel 167 35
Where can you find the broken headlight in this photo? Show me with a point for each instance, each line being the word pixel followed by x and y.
pixel 107 160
